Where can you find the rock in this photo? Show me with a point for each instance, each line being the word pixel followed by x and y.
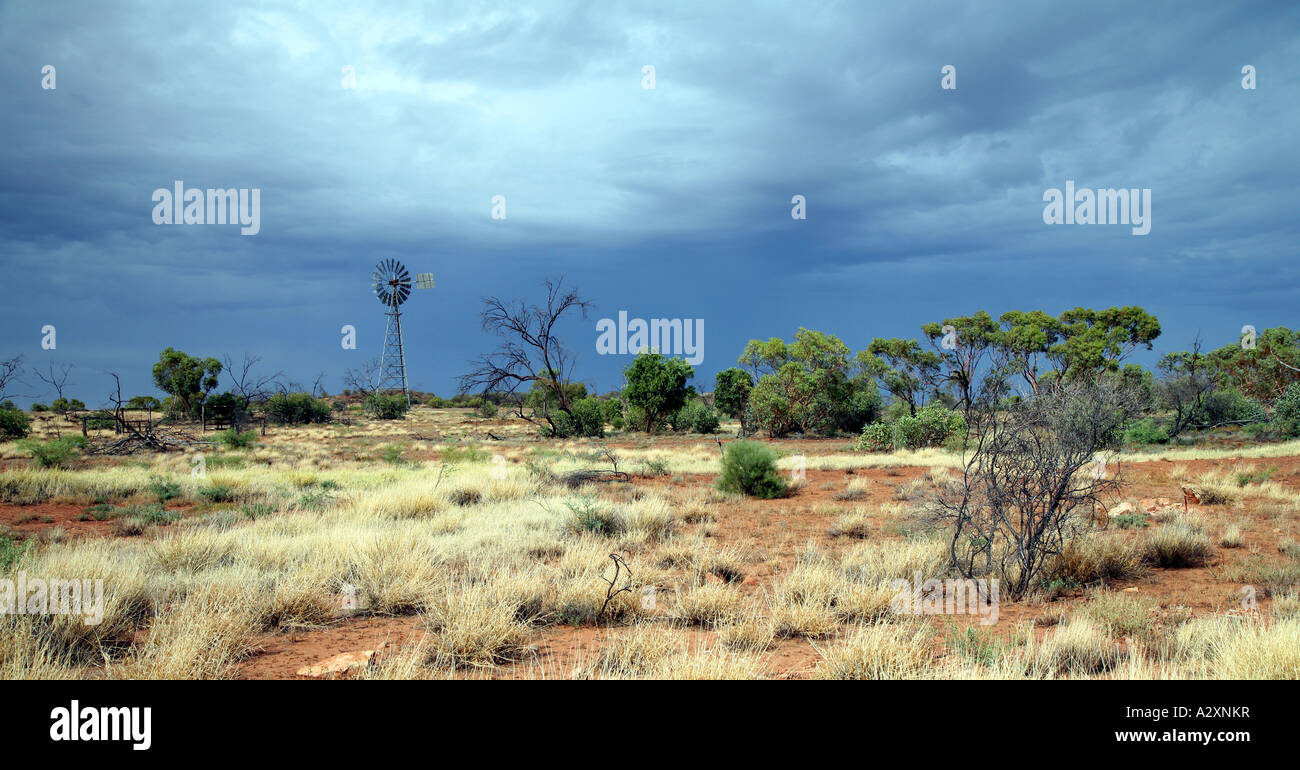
pixel 1153 504
pixel 342 665
pixel 1121 509
pixel 713 579
pixel 749 580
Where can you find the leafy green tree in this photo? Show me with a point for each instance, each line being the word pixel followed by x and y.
pixel 657 387
pixel 1286 418
pixel 731 391
pixel 144 403
pixel 1098 340
pixel 806 385
pixel 186 378
pixel 1263 371
pixel 65 405
pixel 1025 338
pixel 903 368
pixel 550 403
pixel 972 337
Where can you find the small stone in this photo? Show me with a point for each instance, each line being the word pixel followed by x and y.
pixel 1122 509
pixel 340 665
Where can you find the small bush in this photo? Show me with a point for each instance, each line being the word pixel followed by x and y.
pixel 932 426
pixel 392 453
pixel 1146 431
pixel 750 468
pixel 1132 521
pixel 11 551
pixel 876 437
pixel 696 417
pixel 13 424
pixel 1087 559
pixel 488 410
pixel 56 453
pixel 1255 476
pixel 256 510
pixel 131 526
pixel 1177 545
pixel 297 408
pixel 590 516
pixel 217 493
pixel 385 407
pixel 587 419
pixel 233 439
pixel 1286 414
pixel 164 489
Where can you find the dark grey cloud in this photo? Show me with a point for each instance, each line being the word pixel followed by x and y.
pixel 923 203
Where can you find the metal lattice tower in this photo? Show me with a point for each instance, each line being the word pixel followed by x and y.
pixel 392 285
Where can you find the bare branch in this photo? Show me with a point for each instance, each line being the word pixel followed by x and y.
pixel 56 378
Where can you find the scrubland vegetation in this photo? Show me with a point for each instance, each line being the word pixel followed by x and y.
pixel 1140 526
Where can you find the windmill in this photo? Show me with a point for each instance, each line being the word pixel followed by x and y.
pixel 392 285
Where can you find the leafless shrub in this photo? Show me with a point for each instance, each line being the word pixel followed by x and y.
pixel 1026 472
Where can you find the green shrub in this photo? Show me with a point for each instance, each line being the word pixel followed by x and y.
pixel 256 510
pixel 392 453
pixel 1146 431
pixel 590 516
pixel 876 437
pixel 1224 405
pixel 164 488
pixel 11 551
pixel 453 453
pixel 40 408
pixel 1286 414
pixel 750 468
pixel 612 411
pixel 13 423
pixel 932 426
pixel 233 439
pixel 386 407
pixel 696 417
pixel 217 493
pixel 151 514
pixel 587 419
pixel 1132 521
pixel 1255 476
pixel 56 453
pixel 487 410
pixel 65 405
pixel 297 408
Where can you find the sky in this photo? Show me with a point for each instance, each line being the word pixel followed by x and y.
pixel 384 132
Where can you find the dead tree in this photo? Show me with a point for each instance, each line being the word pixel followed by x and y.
pixel 530 352
pixel 362 380
pixel 248 386
pixel 56 378
pixel 10 374
pixel 140 434
pixel 1029 475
